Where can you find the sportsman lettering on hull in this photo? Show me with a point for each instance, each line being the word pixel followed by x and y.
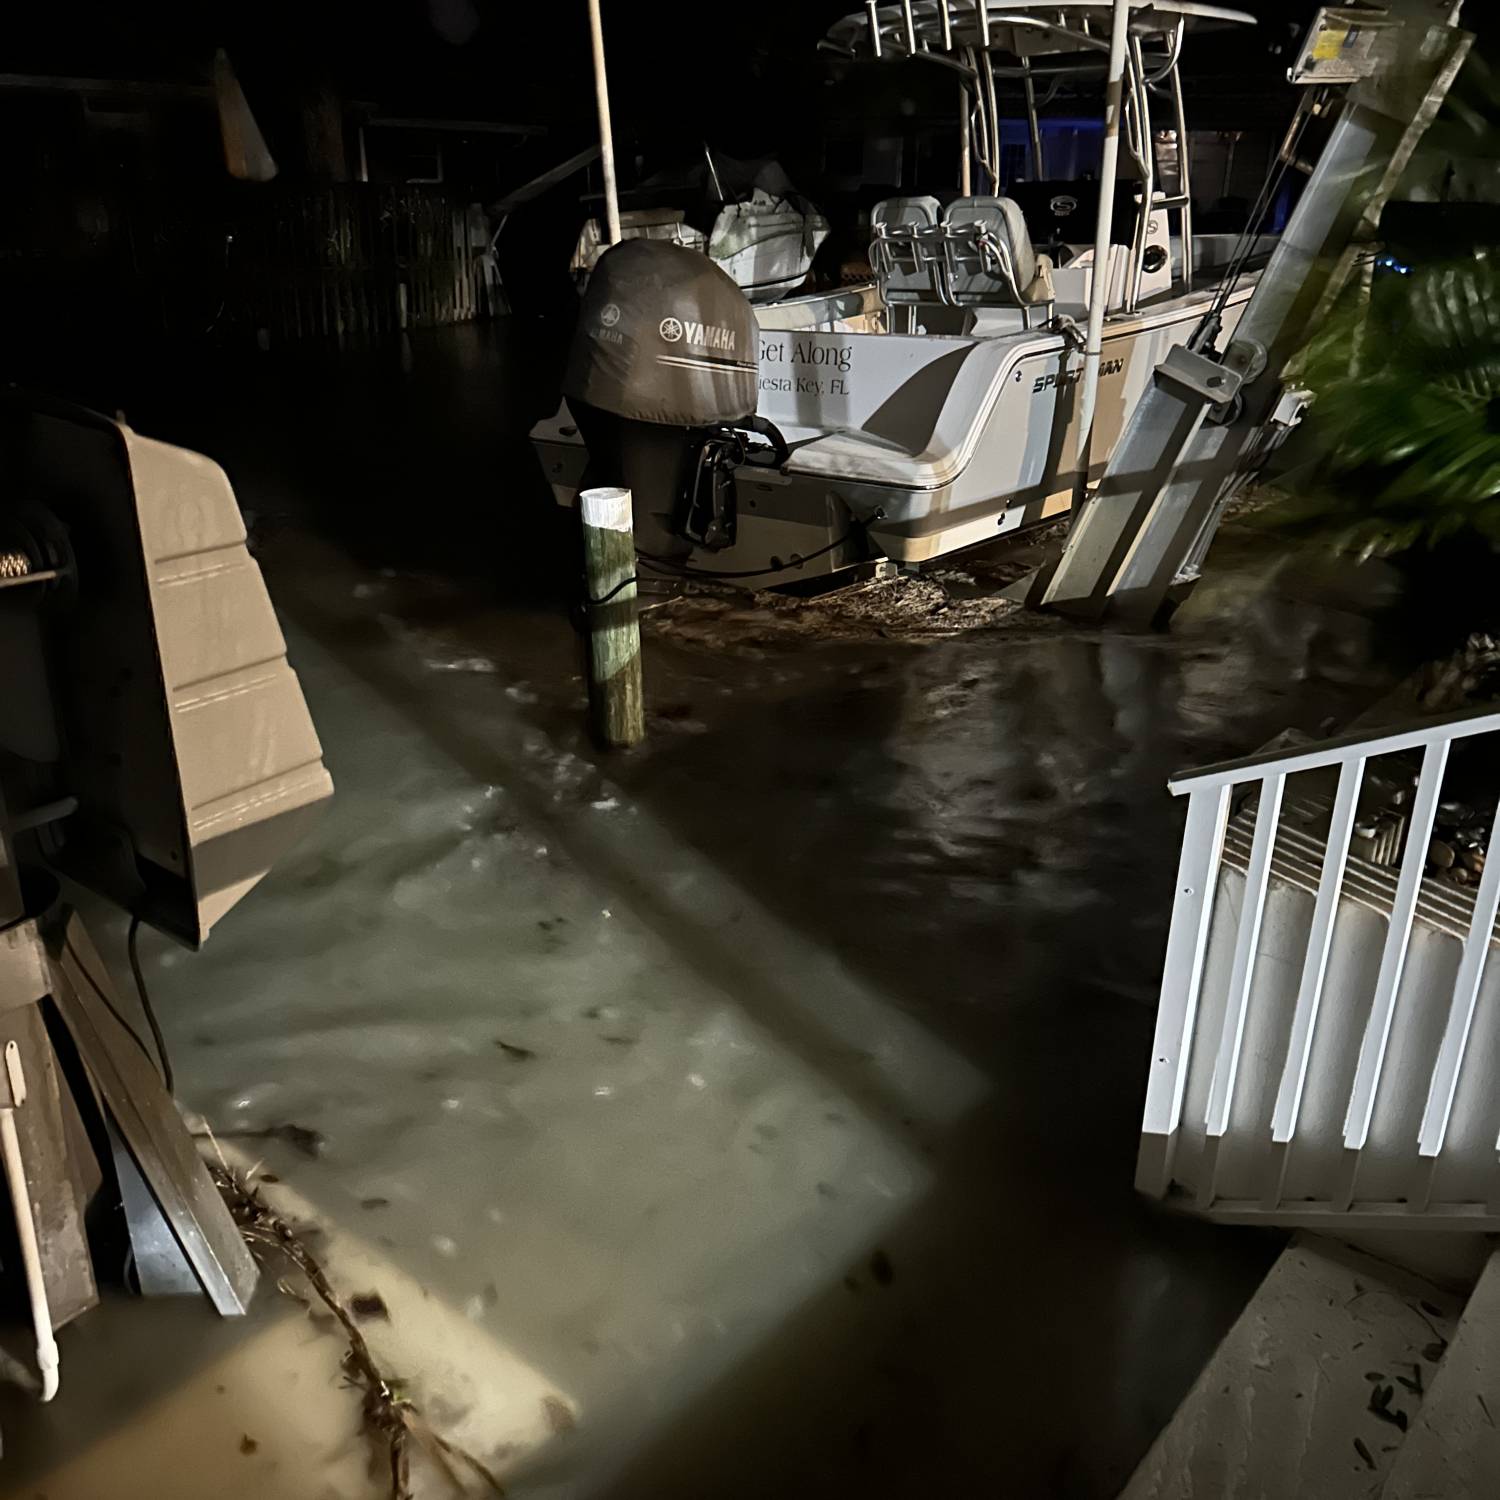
pixel 1072 377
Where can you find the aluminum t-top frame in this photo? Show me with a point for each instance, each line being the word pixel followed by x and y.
pixel 1021 28
pixel 983 42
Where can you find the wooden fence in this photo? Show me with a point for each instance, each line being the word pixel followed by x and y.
pixel 246 264
pixel 355 261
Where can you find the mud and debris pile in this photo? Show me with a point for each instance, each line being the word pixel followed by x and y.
pixel 1467 679
pixel 914 609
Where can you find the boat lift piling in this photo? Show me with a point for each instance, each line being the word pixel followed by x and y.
pixel 617 703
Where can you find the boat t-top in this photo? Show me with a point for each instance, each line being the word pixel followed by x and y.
pixel 975 412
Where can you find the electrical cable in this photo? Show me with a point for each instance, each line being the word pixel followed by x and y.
pixel 624 583
pixel 132 948
pixel 665 565
pixel 159 1060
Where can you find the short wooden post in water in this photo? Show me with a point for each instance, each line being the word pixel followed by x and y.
pixel 615 697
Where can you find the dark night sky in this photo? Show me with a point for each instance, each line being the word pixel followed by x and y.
pixel 744 75
pixel 495 58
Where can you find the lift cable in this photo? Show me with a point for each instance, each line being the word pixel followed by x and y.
pixel 1240 255
pixel 132 947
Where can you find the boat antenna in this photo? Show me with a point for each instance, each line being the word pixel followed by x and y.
pixel 713 174
pixel 606 134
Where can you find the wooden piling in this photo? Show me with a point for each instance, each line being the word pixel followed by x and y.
pixel 616 701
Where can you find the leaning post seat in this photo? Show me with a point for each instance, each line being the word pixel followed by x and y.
pixel 975 253
pixel 906 250
pixel 989 260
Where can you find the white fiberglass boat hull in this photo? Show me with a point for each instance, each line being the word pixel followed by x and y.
pixel 913 447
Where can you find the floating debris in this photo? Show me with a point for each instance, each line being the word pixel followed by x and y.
pixel 1380 1406
pixel 305 1142
pixel 559 1414
pixel 390 1419
pixel 369 1305
pixel 478 664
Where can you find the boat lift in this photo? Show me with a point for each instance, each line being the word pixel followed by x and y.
pixel 1212 416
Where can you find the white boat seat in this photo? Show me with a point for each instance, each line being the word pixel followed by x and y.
pixel 976 254
pixel 989 259
pixel 906 250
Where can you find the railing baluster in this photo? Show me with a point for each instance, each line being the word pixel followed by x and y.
pixel 1237 1002
pixel 1182 970
pixel 1450 1056
pixel 1393 956
pixel 1319 942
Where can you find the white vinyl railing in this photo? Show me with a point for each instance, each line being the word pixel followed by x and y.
pixel 1272 986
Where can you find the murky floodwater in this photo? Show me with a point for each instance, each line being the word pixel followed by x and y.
pixel 764 1101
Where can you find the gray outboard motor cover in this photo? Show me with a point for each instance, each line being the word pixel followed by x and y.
pixel 664 336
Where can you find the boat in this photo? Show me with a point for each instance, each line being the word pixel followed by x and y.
pixel 764 235
pixel 974 413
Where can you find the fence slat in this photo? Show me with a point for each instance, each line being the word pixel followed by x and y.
pixel 1242 975
pixel 1319 942
pixel 1398 939
pixel 1182 972
pixel 1450 1058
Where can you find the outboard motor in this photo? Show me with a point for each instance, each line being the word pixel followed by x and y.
pixel 661 380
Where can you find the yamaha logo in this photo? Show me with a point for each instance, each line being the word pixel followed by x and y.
pixel 609 314
pixel 670 330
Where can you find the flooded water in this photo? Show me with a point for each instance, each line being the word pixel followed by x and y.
pixel 751 1114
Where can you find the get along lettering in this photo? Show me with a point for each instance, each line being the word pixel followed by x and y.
pixel 807 355
pixel 808 352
